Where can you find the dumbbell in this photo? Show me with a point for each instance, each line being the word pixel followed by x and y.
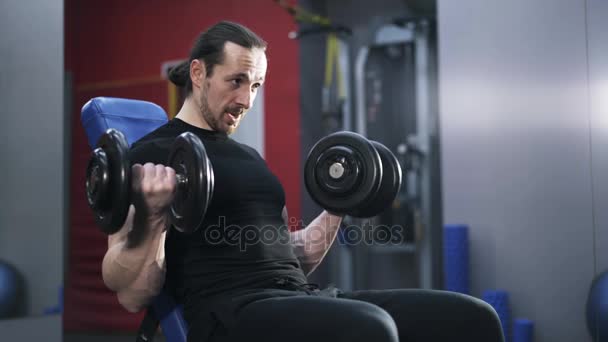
pixel 349 174
pixel 108 182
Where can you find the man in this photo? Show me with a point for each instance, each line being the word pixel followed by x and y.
pixel 255 291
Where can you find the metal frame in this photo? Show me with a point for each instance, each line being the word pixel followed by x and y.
pixel 418 33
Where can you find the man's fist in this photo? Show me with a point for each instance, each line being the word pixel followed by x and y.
pixel 153 188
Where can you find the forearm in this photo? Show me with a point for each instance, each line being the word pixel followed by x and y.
pixel 137 256
pixel 312 243
pixel 139 294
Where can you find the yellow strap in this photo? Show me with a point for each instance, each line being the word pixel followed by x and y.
pixel 312 19
pixel 340 79
pixel 330 58
pixel 302 15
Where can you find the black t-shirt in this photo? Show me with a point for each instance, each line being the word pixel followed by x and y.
pixel 243 241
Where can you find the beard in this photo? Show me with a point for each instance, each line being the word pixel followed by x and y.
pixel 215 121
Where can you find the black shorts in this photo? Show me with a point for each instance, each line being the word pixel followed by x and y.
pixel 304 313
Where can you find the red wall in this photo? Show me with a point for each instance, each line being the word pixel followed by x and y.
pixel 117 40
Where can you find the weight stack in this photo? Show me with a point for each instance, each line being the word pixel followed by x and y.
pixel 456 258
pixel 523 330
pixel 499 300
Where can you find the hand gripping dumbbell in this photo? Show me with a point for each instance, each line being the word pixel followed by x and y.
pixel 348 174
pixel 108 181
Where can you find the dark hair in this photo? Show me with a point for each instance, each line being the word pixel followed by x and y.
pixel 209 46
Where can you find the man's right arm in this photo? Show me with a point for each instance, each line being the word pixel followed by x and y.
pixel 134 265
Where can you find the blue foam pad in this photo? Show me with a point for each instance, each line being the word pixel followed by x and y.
pixel 499 300
pixel 171 319
pixel 523 330
pixel 9 290
pixel 456 258
pixel 134 118
pixel 597 308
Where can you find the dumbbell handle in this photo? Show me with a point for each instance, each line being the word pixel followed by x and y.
pixel 181 179
pixel 336 170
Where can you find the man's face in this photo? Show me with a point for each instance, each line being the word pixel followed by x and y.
pixel 229 93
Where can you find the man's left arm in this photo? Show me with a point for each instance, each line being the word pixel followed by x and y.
pixel 312 242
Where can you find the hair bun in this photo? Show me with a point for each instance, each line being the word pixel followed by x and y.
pixel 180 73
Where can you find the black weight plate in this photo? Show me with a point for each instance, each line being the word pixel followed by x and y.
pixel 389 185
pixel 189 159
pixel 210 181
pixel 98 180
pixel 111 210
pixel 359 179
